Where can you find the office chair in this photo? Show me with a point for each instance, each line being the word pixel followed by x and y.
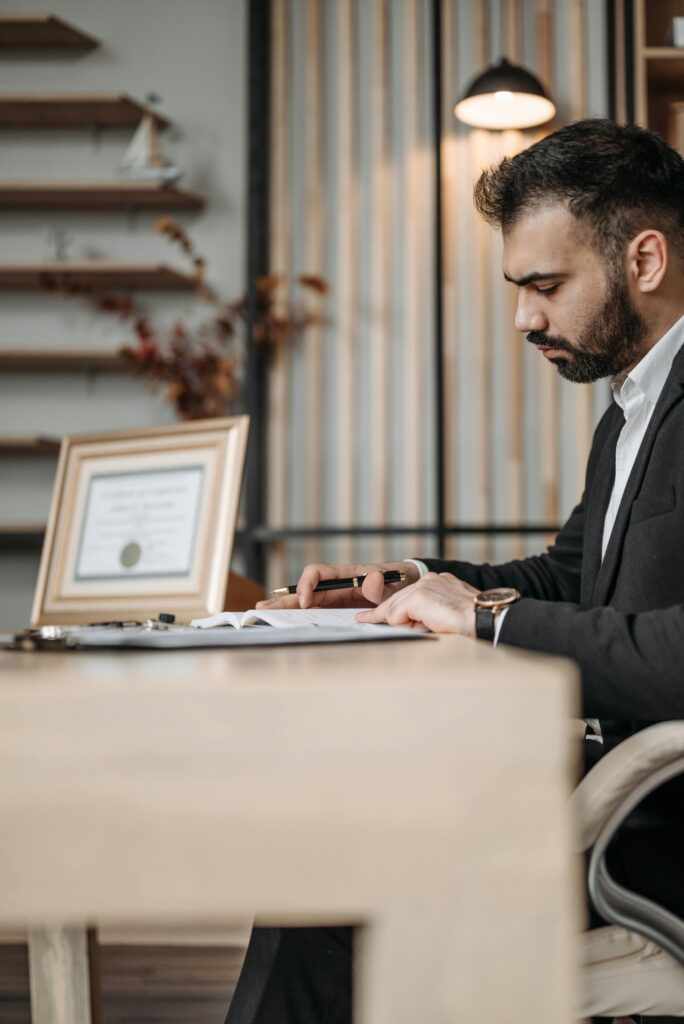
pixel 635 965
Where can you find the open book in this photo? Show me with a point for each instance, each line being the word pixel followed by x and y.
pixel 337 618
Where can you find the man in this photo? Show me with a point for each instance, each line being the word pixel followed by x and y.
pixel 593 229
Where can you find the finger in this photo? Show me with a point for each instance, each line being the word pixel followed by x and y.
pixel 373 587
pixel 286 601
pixel 310 578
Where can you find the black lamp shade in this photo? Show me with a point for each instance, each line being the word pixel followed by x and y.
pixel 505 96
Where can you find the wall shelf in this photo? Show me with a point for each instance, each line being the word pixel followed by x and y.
pixel 22 535
pixel 101 195
pixel 94 273
pixel 46 360
pixel 73 110
pixel 658 69
pixel 25 445
pixel 40 32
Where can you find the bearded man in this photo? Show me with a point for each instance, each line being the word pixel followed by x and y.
pixel 592 219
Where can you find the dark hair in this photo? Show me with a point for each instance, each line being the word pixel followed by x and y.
pixel 616 179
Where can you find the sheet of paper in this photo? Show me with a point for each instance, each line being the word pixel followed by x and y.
pixel 181 637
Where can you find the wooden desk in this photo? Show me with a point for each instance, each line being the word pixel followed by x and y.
pixel 415 787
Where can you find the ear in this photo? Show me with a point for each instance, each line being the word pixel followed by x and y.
pixel 647 258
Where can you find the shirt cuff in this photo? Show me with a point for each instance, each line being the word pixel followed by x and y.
pixel 420 566
pixel 498 623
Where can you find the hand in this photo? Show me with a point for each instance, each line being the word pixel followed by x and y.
pixel 371 593
pixel 438 602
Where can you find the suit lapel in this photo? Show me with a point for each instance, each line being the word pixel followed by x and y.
pixel 596 505
pixel 671 394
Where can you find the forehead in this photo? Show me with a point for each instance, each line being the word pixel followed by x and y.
pixel 548 238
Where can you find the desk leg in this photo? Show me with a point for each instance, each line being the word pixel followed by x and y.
pixel 58 970
pixel 396 978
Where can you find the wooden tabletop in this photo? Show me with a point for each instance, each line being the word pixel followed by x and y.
pixel 417 786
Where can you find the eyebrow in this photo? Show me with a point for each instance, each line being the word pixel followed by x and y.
pixel 537 276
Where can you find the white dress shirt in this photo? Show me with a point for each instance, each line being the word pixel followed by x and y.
pixel 636 393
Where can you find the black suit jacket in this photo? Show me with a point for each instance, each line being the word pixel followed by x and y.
pixel 621 620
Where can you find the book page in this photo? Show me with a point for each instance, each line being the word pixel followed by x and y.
pixel 344 618
pixel 220 619
pixel 286 618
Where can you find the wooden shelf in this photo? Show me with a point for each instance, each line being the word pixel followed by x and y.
pixel 665 68
pixel 22 445
pixel 41 32
pixel 73 110
pixel 658 69
pixel 45 360
pixel 100 195
pixel 96 274
pixel 22 535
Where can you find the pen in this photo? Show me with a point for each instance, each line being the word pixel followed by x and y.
pixel 391 576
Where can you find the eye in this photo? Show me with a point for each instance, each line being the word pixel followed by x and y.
pixel 548 290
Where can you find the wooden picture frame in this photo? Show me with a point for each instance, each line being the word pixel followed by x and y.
pixel 142 522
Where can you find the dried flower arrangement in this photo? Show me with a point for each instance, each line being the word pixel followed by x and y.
pixel 201 366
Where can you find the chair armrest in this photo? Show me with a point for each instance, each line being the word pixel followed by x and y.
pixel 619 772
pixel 649 759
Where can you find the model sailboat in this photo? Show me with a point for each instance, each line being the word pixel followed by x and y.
pixel 144 160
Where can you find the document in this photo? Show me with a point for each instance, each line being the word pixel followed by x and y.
pixel 140 524
pixel 287 618
pixel 179 637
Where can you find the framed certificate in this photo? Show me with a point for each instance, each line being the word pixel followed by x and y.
pixel 142 522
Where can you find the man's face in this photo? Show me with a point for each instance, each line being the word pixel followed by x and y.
pixel 574 308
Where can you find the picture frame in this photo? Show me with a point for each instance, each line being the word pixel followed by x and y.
pixel 142 522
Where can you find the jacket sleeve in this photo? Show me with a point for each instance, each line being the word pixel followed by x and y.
pixel 632 665
pixel 553 576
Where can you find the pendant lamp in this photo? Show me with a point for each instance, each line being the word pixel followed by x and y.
pixel 505 96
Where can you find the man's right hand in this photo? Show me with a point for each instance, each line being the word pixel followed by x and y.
pixel 370 594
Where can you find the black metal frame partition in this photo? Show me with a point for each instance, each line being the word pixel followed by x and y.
pixel 258 535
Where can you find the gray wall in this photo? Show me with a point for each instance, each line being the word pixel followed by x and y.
pixel 193 55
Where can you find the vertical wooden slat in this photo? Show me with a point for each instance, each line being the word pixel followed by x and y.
pixel 313 229
pixel 280 248
pixel 618 44
pixel 450 236
pixel 549 404
pixel 412 276
pixel 381 458
pixel 584 415
pixel 513 142
pixel 640 90
pixel 481 434
pixel 343 204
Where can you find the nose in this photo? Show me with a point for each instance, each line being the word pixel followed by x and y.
pixel 528 316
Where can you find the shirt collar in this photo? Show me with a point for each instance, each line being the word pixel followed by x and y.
pixel 651 372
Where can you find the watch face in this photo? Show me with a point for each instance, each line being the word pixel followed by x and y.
pixel 496 598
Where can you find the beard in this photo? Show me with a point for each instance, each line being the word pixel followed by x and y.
pixel 610 343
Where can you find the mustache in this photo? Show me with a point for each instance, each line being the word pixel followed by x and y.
pixel 547 341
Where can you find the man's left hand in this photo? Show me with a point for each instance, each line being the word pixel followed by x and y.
pixel 438 602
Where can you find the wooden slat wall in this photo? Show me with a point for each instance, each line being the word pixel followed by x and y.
pixel 351 416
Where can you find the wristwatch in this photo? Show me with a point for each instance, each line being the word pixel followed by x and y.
pixel 488 604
